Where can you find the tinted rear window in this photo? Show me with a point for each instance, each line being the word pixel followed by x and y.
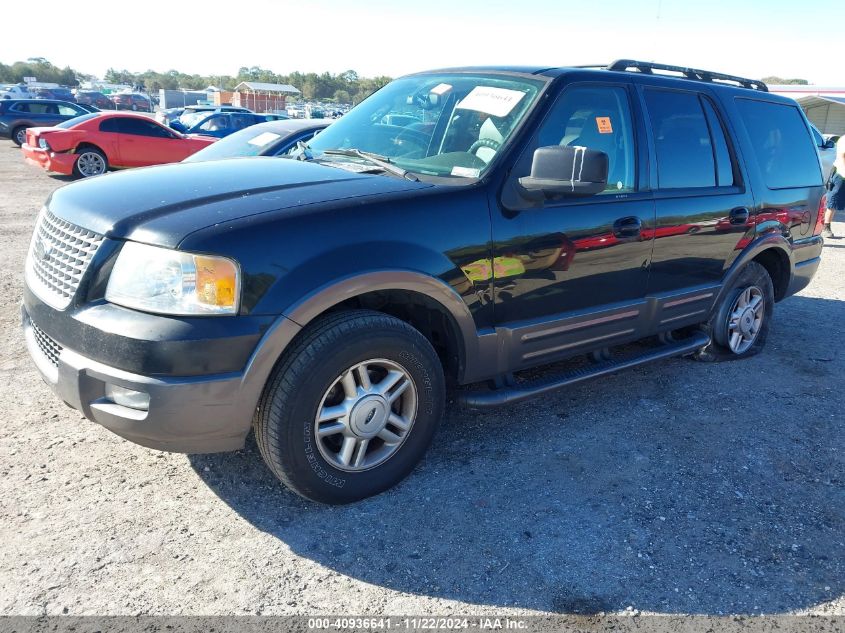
pixel 76 121
pixel 782 144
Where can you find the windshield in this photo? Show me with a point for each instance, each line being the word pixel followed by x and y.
pixel 439 125
pixel 251 141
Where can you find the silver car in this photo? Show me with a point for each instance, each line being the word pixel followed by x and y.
pixel 827 151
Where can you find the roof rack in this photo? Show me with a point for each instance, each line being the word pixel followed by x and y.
pixel 689 73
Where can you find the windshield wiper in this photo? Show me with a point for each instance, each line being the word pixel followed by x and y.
pixel 379 161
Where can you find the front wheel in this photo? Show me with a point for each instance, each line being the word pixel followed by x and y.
pixel 740 325
pixel 351 408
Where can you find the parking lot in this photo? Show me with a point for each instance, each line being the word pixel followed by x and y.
pixel 678 488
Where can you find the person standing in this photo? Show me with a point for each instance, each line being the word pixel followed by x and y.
pixel 836 189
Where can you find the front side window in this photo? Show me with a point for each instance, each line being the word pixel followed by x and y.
pixel 599 118
pixel 65 110
pixel 437 125
pixel 216 123
pixel 140 127
pixel 782 144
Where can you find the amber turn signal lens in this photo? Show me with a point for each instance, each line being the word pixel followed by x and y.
pixel 216 281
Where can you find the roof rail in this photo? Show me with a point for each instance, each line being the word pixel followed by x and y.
pixel 689 73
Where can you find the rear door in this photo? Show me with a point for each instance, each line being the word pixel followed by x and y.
pixel 703 201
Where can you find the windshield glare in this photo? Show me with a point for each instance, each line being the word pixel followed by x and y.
pixel 191 118
pixel 439 125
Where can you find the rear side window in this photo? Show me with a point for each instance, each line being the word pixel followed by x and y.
pixel 782 144
pixel 685 156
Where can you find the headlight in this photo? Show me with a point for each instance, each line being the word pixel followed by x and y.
pixel 167 281
pixel 43 144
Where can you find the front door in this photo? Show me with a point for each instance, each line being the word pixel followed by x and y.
pixel 572 274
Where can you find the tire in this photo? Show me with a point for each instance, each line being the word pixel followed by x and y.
pixel 134 107
pixel 313 377
pixel 19 135
pixel 90 162
pixel 737 329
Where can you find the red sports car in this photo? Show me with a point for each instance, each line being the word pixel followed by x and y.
pixel 92 144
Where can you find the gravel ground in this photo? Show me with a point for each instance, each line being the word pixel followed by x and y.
pixel 676 488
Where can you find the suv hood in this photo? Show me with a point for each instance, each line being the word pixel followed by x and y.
pixel 161 205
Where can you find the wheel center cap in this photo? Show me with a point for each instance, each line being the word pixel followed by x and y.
pixel 369 416
pixel 746 321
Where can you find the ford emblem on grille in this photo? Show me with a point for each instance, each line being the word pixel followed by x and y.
pixel 41 252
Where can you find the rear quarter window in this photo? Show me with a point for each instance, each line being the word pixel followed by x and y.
pixel 783 146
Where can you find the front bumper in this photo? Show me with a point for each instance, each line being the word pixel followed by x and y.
pixel 194 414
pixel 48 160
pixel 204 412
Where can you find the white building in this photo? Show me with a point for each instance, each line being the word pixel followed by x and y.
pixel 823 105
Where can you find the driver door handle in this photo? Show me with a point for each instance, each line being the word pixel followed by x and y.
pixel 627 227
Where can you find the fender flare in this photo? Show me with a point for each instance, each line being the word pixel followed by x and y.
pixel 478 352
pixel 759 245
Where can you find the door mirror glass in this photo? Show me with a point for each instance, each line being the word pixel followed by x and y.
pixel 559 170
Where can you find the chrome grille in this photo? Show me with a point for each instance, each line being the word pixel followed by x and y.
pixel 47 345
pixel 58 257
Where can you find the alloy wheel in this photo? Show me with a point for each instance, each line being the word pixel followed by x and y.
pixel 366 415
pixel 745 319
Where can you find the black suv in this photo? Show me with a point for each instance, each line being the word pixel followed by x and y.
pixel 515 218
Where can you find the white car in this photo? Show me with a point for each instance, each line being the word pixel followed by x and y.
pixel 827 151
pixel 14 91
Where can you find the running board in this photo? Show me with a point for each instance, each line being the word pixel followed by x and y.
pixel 533 388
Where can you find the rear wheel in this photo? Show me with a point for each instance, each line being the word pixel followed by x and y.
pixel 351 408
pixel 741 323
pixel 19 135
pixel 90 162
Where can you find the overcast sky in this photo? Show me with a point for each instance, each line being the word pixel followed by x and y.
pixel 751 38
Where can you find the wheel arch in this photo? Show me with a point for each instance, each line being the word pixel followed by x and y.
pixel 774 253
pixel 423 301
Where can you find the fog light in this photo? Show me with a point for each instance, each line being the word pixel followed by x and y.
pixel 128 397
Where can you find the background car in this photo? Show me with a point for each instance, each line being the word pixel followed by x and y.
pixel 170 115
pixel 132 101
pixel 60 94
pixel 94 98
pixel 827 151
pixel 274 138
pixel 14 91
pixel 94 143
pixel 219 124
pixel 16 115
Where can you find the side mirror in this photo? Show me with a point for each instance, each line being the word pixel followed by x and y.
pixel 829 144
pixel 565 171
pixel 176 124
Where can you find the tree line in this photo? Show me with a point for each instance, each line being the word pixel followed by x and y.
pixel 345 87
pixel 42 70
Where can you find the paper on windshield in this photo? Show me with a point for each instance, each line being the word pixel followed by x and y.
pixel 495 101
pixel 262 139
